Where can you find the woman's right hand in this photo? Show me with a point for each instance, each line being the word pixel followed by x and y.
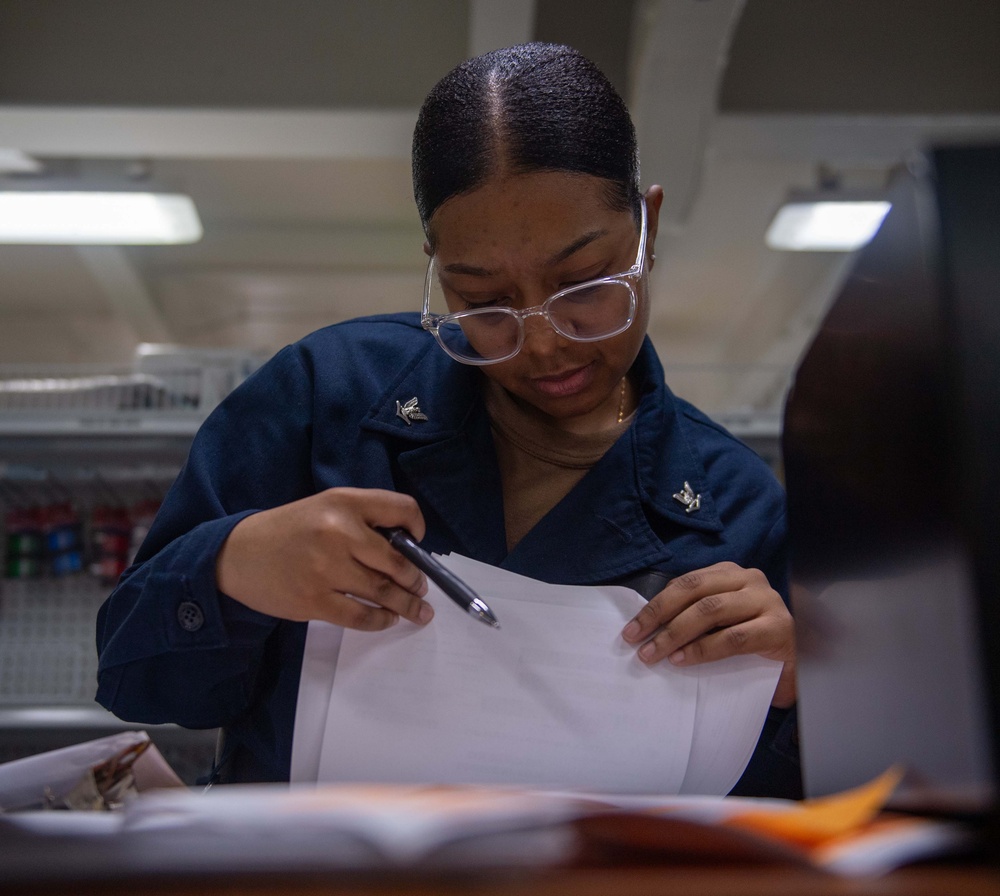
pixel 321 558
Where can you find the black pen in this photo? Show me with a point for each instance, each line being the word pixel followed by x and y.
pixel 444 578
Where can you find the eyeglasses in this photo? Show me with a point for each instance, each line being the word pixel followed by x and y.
pixel 585 312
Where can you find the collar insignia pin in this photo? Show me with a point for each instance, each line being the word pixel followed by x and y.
pixel 410 411
pixel 688 498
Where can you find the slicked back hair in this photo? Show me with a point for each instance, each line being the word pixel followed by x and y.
pixel 527 108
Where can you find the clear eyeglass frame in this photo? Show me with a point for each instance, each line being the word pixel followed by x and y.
pixel 630 279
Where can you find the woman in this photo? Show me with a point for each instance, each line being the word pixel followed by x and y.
pixel 541 439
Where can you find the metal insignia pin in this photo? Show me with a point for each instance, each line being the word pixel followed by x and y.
pixel 688 498
pixel 410 411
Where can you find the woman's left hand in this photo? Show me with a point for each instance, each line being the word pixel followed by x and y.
pixel 708 614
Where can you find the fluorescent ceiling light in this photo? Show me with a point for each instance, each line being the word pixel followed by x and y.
pixel 825 226
pixel 87 218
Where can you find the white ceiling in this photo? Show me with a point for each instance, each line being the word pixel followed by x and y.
pixel 288 122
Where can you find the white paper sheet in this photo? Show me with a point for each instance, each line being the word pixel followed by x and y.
pixel 554 699
pixel 319 662
pixel 733 698
pixel 25 783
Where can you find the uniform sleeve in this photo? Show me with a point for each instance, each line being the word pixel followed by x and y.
pixel 772 556
pixel 172 648
pixel 774 769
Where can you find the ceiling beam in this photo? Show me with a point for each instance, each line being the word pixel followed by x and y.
pixel 679 56
pixel 207 133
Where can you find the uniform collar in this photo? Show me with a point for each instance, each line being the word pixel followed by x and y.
pixel 655 452
pixel 449 456
pixel 659 430
pixel 442 392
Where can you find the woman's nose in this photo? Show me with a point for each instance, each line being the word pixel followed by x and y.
pixel 540 338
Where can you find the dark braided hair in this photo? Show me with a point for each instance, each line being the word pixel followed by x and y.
pixel 532 107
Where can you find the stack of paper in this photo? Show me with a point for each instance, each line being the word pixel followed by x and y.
pixel 554 699
pixel 256 828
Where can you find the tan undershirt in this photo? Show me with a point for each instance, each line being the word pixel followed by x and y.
pixel 539 463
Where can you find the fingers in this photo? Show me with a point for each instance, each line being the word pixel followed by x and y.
pixel 762 636
pixel 375 610
pixel 387 509
pixel 349 611
pixel 723 610
pixel 683 592
pixel 379 565
pixel 373 570
pixel 368 510
pixel 320 558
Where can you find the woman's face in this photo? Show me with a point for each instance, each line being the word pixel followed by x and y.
pixel 517 240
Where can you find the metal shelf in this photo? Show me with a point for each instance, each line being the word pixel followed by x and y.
pixel 99 423
pixel 57 717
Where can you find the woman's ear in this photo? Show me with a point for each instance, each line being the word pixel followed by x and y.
pixel 427 249
pixel 654 199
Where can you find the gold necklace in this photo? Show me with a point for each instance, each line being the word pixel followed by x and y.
pixel 621 401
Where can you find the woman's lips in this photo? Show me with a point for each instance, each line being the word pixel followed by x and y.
pixel 567 383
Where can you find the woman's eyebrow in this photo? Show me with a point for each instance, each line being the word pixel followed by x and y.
pixel 470 270
pixel 576 246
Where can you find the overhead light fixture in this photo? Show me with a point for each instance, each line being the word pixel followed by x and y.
pixel 79 217
pixel 826 225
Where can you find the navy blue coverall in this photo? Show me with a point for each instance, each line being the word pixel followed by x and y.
pixel 323 413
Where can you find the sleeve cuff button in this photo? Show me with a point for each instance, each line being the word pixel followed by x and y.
pixel 190 616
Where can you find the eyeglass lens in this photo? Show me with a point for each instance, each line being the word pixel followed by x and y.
pixel 595 311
